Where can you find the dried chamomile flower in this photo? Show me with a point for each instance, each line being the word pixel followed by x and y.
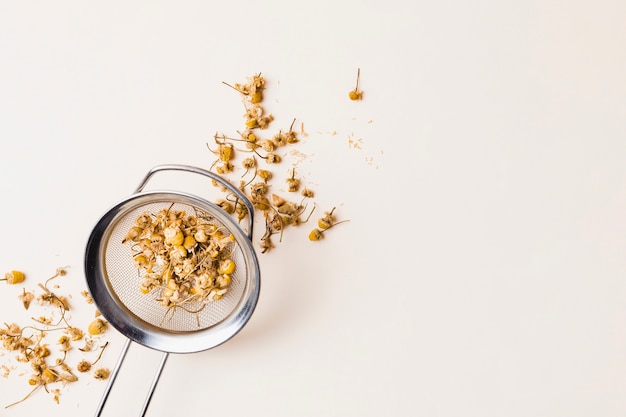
pixel 261 203
pixel 324 223
pixel 84 365
pixel 44 320
pixel 225 168
pixel 279 139
pixel 259 189
pixel 56 393
pixel 252 90
pixel 97 326
pixel 291 136
pixel 241 210
pixel 266 243
pixel 14 277
pixel 293 183
pixel 226 205
pixel 226 266
pixel 356 94
pixel 285 207
pixel 268 145
pixel 87 296
pixel 255 88
pixel 26 297
pixel 265 175
pixel 272 158
pixel 315 234
pixel 65 343
pixel 307 193
pixel 248 136
pixel 256 118
pixel 89 345
pixel 60 272
pixel 49 297
pixel 75 333
pixel 249 163
pixel 327 221
pixel 226 152
pixel 101 373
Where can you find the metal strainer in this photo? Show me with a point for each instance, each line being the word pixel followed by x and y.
pixel 112 279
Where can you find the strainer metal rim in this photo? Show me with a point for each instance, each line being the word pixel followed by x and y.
pixel 144 333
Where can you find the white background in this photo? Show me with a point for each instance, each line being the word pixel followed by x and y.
pixel 482 270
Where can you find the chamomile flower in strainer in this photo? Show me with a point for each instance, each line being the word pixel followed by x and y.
pixel 172 271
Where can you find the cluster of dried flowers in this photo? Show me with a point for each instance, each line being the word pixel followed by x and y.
pixel 31 346
pixel 185 258
pixel 278 211
pixel 323 224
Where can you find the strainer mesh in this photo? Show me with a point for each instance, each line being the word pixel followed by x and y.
pixel 124 279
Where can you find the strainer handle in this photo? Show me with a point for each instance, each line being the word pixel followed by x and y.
pixel 187 168
pixel 112 378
